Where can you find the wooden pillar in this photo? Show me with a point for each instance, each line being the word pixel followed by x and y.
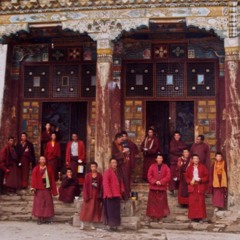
pixel 108 105
pixel 232 143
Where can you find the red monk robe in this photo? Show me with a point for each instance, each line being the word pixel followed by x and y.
pixel 197 207
pixel 9 164
pixel 44 185
pixel 175 151
pixel 203 151
pixel 183 163
pixel 122 166
pixel 53 156
pixel 157 206
pixel 69 189
pixel 113 189
pixel 91 210
pixel 26 155
pixel 72 161
pixel 150 147
pixel 45 138
pixel 133 151
pixel 218 183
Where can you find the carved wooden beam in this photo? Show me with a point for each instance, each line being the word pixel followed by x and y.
pixel 8 29
pixel 105 28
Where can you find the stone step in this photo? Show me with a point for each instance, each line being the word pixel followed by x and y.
pixel 18 207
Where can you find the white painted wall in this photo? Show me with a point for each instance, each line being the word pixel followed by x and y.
pixel 3 62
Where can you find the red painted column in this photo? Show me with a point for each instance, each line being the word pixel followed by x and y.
pixel 232 143
pixel 108 104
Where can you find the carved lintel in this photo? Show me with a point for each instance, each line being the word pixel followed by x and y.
pixel 105 29
pixel 7 29
pixel 218 24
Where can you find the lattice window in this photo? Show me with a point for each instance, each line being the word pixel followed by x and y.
pixel 88 80
pixel 65 80
pixel 201 79
pixel 36 81
pixel 139 79
pixel 170 79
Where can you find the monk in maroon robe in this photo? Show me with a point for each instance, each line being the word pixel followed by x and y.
pixel 218 182
pixel 53 154
pixel 183 163
pixel 26 156
pixel 158 177
pixel 45 136
pixel 131 154
pixel 176 147
pixel 121 155
pixel 75 157
pixel 150 147
pixel 10 165
pixel 113 190
pixel 202 150
pixel 69 187
pixel 196 178
pixel 91 210
pixel 43 186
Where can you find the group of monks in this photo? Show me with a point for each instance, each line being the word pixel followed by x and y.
pixel 15 161
pixel 190 173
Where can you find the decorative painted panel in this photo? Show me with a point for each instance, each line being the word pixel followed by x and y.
pixel 178 50
pixel 134 50
pixel 30 122
pixel 206 123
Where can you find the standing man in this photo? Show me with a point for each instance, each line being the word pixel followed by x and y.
pixel 45 136
pixel 26 156
pixel 158 177
pixel 176 147
pixel 113 189
pixel 202 150
pixel 150 147
pixel 75 155
pixel 91 210
pixel 43 186
pixel 183 163
pixel 10 165
pixel 53 154
pixel 1 178
pixel 132 152
pixel 121 154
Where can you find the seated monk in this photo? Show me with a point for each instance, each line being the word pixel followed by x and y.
pixel 69 187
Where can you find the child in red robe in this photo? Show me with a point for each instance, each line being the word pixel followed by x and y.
pixel 218 182
pixel 69 187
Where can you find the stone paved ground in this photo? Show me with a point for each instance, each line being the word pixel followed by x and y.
pixel 30 230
